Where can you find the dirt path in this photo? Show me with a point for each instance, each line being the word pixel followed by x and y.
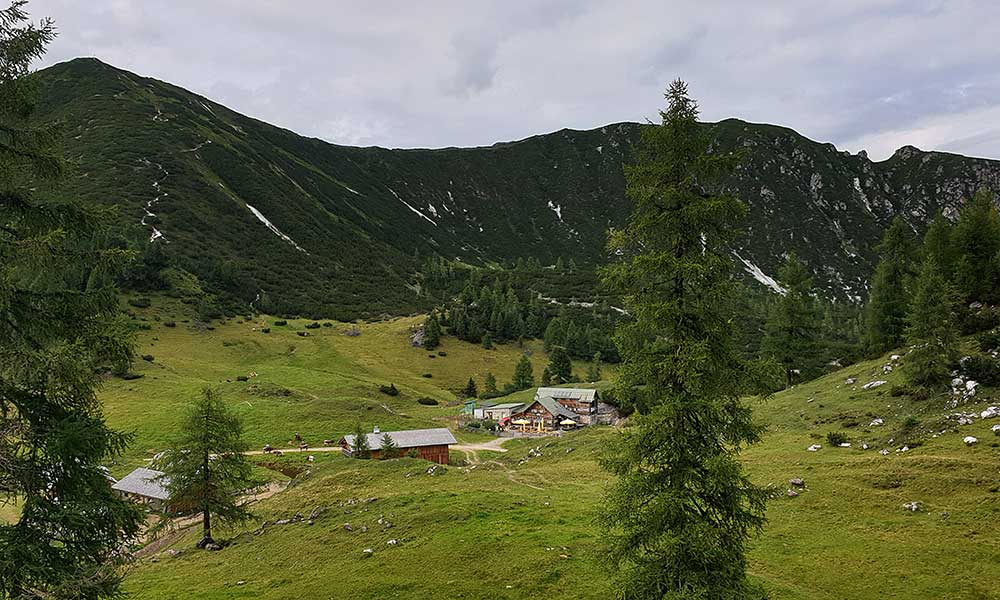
pixel 179 527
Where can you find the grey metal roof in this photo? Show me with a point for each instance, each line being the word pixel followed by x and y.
pixel 506 406
pixel 143 482
pixel 411 438
pixel 582 395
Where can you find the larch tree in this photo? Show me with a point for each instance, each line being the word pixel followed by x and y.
pixel 792 328
pixel 206 469
pixel 359 445
pixel 490 385
pixel 976 246
pixel 432 332
pixel 61 329
pixel 932 329
pixel 889 300
pixel 681 510
pixel 560 366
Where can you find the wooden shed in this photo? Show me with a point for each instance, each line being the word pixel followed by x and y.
pixel 430 444
pixel 145 486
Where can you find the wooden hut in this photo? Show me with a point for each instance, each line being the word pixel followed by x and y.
pixel 145 486
pixel 430 444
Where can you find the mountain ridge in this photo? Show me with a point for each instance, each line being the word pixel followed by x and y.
pixel 312 227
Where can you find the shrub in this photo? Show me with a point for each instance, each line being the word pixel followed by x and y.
pixel 899 390
pixel 836 438
pixel 170 324
pixel 147 357
pixel 475 425
pixel 327 324
pixel 428 375
pixel 130 376
pixel 266 330
pixel 989 340
pixel 442 353
pixel 302 333
pixel 141 302
pixel 389 390
pixel 984 369
pixel 280 323
pixel 413 453
pixel 977 321
pixel 242 378
pixel 427 401
pixel 910 422
pixel 313 325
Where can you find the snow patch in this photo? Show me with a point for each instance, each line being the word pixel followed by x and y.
pixel 275 230
pixel 556 209
pixel 407 204
pixel 760 276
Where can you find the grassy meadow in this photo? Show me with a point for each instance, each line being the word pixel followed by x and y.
pixel 513 528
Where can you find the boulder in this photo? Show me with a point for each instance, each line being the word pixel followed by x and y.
pixel 814 448
pixel 367 552
pixel 911 506
pixel 797 482
pixel 348 527
pixel 989 413
pixel 792 493
pixel 970 440
pixel 873 384
pixel 876 422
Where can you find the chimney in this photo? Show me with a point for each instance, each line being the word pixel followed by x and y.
pixel 376 430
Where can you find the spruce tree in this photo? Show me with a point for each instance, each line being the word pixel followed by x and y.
pixel 681 511
pixel 792 326
pixel 560 366
pixel 976 246
pixel 523 378
pixel 487 341
pixel 546 377
pixel 594 370
pixel 931 329
pixel 888 301
pixel 61 328
pixel 206 469
pixel 432 332
pixel 470 390
pixel 389 448
pixel 490 386
pixel 938 244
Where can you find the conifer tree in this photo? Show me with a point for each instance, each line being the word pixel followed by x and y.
pixel 523 378
pixel 546 377
pixel 206 469
pixel 938 244
pixel 432 332
pixel 359 445
pixel 888 302
pixel 931 329
pixel 792 325
pixel 490 386
pixel 560 366
pixel 389 448
pixel 594 370
pixel 470 390
pixel 61 327
pixel 680 513
pixel 487 341
pixel 976 247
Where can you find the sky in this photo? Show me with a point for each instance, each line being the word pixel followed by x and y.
pixel 872 74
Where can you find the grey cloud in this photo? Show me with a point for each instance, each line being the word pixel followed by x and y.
pixel 447 72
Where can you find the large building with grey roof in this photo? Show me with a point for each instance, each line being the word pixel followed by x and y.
pixel 429 444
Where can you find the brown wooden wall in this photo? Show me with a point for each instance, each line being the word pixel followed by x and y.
pixel 438 454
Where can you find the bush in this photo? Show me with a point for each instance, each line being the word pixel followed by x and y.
pixel 976 321
pixel 389 390
pixel 266 330
pixel 147 357
pixel 280 323
pixel 412 453
pixel 242 378
pixel 911 422
pixel 313 325
pixel 899 390
pixel 302 333
pixel 141 302
pixel 989 340
pixel 836 438
pixel 327 324
pixel 475 425
pixel 442 353
pixel 427 401
pixel 428 375
pixel 130 376
pixel 170 324
pixel 984 369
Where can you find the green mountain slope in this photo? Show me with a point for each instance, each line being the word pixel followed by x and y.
pixel 306 226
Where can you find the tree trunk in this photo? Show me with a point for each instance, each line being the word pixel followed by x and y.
pixel 206 514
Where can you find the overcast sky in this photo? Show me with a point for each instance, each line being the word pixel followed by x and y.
pixel 872 74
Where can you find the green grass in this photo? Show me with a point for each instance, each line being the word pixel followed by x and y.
pixel 472 532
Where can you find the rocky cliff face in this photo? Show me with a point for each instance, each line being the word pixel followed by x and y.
pixel 337 230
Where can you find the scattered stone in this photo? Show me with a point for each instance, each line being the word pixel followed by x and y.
pixel 568 450
pixel 970 440
pixel 212 546
pixel 316 512
pixel 392 542
pixel 173 552
pixel 989 413
pixel 850 381
pixel 367 552
pixel 797 482
pixel 884 452
pixel 241 582
pixel 311 458
pixel 995 429
pixel 792 493
pixel 348 527
pixel 873 384
pixel 814 448
pixel 911 506
pixel 282 521
pixel 894 358
pixel 876 422
pixel 845 445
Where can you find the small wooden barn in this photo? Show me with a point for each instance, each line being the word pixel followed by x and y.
pixel 145 486
pixel 430 444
